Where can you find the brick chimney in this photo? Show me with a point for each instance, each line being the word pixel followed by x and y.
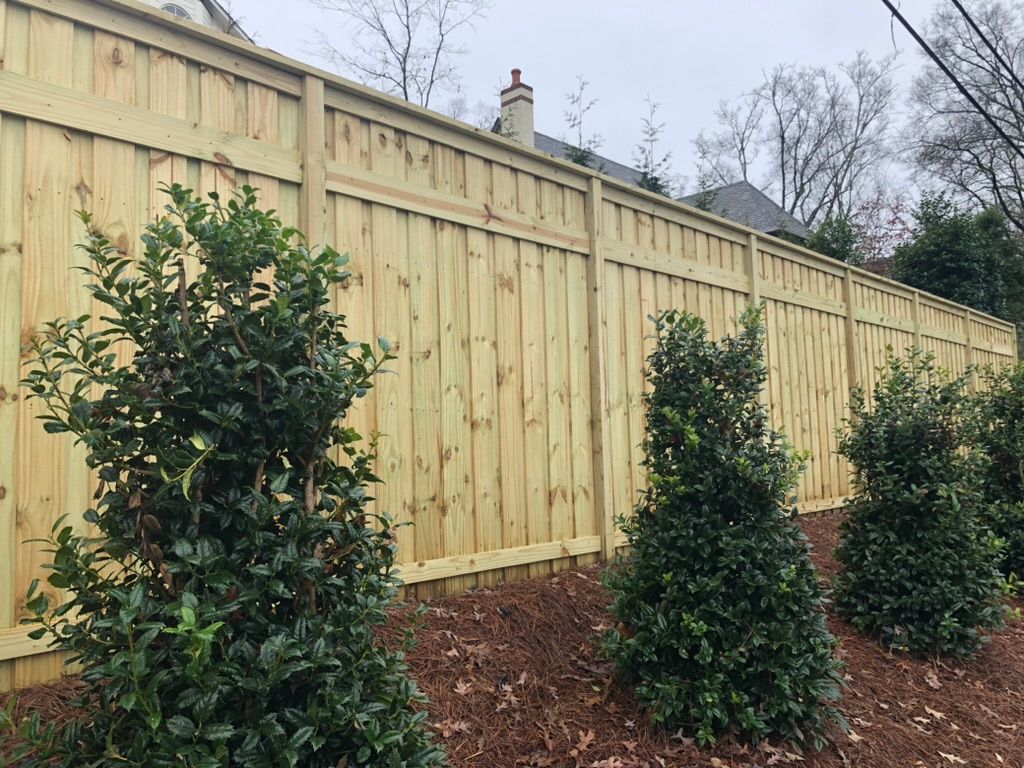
pixel 517 110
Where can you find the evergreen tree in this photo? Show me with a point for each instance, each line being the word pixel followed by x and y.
pixel 721 625
pixel 836 238
pixel 919 564
pixel 967 257
pixel 998 430
pixel 224 613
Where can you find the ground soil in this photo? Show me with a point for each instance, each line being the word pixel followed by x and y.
pixel 514 681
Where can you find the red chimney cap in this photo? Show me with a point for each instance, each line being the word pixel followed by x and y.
pixel 515 75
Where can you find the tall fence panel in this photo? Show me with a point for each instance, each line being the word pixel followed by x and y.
pixel 515 289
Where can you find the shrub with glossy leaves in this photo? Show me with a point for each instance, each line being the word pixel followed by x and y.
pixel 998 430
pixel 919 565
pixel 224 614
pixel 721 627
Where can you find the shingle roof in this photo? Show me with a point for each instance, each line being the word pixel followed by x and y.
pixel 744 203
pixel 741 201
pixel 559 148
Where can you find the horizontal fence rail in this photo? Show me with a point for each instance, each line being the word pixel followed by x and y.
pixel 515 288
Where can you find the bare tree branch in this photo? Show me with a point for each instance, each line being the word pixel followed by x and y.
pixel 951 142
pixel 404 47
pixel 824 135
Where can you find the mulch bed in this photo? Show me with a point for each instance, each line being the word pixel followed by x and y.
pixel 514 681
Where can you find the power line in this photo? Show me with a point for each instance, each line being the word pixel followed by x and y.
pixel 988 43
pixel 948 72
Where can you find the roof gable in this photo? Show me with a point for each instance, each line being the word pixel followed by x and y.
pixel 744 203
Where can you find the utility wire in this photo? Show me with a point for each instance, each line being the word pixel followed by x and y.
pixel 988 44
pixel 953 78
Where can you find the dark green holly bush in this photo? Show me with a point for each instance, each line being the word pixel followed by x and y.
pixel 919 565
pixel 997 428
pixel 721 627
pixel 224 613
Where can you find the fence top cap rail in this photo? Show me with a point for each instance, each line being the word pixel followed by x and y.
pixel 764 237
pixel 301 69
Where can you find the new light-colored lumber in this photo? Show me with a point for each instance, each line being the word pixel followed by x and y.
pixel 916 315
pixel 458 528
pixel 515 286
pixel 885 319
pixel 535 407
pixel 63 106
pixel 466 565
pixel 170 33
pixel 853 377
pixel 46 292
pixel 585 514
pixel 556 329
pixel 802 299
pixel 485 420
pixel 135 19
pixel 969 359
pixel 16 644
pixel 600 436
pixel 425 375
pixel 753 269
pixel 313 200
pixel 12 170
pixel 367 185
pixel 643 258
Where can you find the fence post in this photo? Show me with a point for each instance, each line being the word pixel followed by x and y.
pixel 313 193
pixel 972 380
pixel 917 320
pixel 599 428
pixel 752 271
pixel 852 353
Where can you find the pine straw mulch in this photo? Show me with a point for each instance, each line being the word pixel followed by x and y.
pixel 514 681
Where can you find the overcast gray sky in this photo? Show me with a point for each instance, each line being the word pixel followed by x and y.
pixel 688 54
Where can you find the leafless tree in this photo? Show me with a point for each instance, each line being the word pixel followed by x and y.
pixel 482 114
pixel 729 154
pixel 824 135
pixel 403 47
pixel 952 143
pixel 578 104
pixel 655 168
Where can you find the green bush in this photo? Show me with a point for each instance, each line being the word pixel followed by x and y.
pixel 998 430
pixel 721 627
pixel 919 566
pixel 224 613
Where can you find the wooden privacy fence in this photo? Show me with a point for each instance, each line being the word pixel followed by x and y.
pixel 514 286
